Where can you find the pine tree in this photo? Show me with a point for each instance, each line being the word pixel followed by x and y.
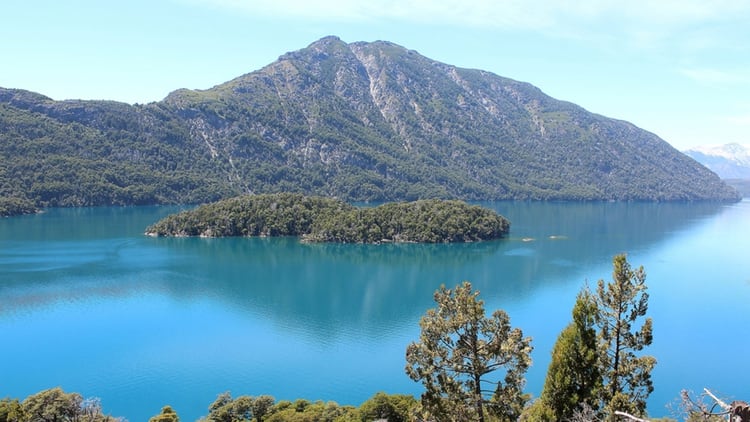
pixel 573 377
pixel 459 350
pixel 621 304
pixel 167 415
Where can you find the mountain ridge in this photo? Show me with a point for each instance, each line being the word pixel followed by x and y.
pixel 729 161
pixel 359 121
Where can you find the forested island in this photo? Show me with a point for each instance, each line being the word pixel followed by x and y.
pixel 319 219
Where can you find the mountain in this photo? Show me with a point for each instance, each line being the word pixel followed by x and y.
pixel 360 121
pixel 729 161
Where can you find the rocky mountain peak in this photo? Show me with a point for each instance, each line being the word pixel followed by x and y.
pixel 360 121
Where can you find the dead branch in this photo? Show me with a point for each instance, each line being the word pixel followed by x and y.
pixel 718 401
pixel 629 416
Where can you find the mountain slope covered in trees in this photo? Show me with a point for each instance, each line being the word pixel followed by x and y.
pixel 359 121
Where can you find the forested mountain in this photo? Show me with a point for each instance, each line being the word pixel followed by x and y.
pixel 359 121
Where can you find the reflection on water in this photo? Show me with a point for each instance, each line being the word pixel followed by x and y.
pixel 186 318
pixel 333 285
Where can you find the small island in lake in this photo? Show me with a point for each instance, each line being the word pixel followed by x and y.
pixel 319 219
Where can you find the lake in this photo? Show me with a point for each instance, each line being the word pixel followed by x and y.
pixel 88 303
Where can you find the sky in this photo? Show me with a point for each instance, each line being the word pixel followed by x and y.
pixel 677 68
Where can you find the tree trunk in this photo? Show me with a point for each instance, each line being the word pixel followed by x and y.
pixel 478 392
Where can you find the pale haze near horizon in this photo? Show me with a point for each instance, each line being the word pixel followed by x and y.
pixel 680 69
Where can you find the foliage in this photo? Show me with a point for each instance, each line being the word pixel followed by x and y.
pixel 361 122
pixel 319 219
pixel 318 411
pixel 574 375
pixel 11 410
pixel 458 353
pixel 595 368
pixel 16 206
pixel 53 405
pixel 393 408
pixel 621 303
pixel 226 409
pixel 284 214
pixel 167 415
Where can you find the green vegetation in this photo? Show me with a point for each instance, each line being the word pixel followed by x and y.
pixel 167 415
pixel 54 405
pixel 361 122
pixel 16 206
pixel 622 303
pixel 595 367
pixel 51 406
pixel 574 377
pixel 318 219
pixel 87 153
pixel 457 355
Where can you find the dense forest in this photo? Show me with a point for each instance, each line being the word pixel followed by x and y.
pixel 318 219
pixel 360 122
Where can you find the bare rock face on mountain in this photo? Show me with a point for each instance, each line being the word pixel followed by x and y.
pixel 359 121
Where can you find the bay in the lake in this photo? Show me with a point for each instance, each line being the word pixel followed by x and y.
pixel 88 303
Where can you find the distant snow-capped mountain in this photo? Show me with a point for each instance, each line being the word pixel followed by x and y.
pixel 729 161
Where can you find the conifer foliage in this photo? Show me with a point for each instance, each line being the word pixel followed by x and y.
pixel 574 375
pixel 622 304
pixel 596 365
pixel 472 366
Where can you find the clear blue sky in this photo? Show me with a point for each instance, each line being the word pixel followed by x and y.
pixel 678 68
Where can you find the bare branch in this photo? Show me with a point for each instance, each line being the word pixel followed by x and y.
pixel 629 416
pixel 717 400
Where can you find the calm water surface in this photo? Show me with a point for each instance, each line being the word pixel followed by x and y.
pixel 90 304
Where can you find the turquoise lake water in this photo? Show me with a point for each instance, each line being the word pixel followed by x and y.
pixel 88 303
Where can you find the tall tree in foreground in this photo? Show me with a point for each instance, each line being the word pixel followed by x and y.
pixel 621 304
pixel 574 377
pixel 472 366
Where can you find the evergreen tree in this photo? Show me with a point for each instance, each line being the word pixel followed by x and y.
pixel 621 304
pixel 167 415
pixel 393 408
pixel 11 410
pixel 458 349
pixel 574 377
pixel 227 409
